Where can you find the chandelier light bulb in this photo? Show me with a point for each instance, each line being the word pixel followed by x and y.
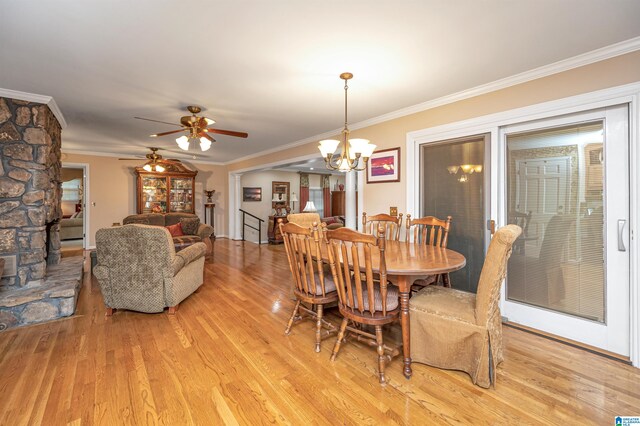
pixel 159 168
pixel 183 143
pixel 147 167
pixel 205 143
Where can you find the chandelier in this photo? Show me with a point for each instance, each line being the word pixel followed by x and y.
pixel 352 149
pixel 467 169
pixel 185 141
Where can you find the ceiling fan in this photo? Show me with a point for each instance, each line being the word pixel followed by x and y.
pixel 197 128
pixel 156 163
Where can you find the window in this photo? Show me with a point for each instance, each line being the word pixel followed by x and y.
pixel 315 195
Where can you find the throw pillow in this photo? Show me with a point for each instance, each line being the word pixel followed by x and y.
pixel 190 225
pixel 175 230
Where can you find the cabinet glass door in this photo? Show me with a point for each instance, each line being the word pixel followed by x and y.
pixel 154 194
pixel 181 195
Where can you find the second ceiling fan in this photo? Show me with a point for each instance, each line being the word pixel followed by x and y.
pixel 197 128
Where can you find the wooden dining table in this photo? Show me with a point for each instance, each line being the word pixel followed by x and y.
pixel 406 263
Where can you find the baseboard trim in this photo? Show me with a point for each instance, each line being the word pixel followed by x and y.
pixel 569 342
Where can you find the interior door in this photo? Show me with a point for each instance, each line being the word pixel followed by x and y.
pixel 569 272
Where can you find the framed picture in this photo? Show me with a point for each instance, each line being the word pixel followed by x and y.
pixel 384 166
pixel 250 193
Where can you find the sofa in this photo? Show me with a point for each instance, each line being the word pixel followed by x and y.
pixel 72 228
pixel 200 234
pixel 138 269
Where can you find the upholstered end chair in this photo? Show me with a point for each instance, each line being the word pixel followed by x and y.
pixel 199 233
pixel 138 268
pixel 457 330
pixel 306 220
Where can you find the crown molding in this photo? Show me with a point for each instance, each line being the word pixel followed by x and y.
pixel 591 57
pixel 40 99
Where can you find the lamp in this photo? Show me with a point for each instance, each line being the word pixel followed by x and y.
pixel 293 200
pixel 310 207
pixel 352 149
pixel 185 141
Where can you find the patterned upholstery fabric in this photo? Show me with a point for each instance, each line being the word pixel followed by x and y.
pixel 184 241
pixel 392 298
pixel 138 268
pixel 163 219
pixel 190 225
pixel 456 330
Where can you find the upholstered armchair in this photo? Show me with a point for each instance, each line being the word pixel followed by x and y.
pixel 457 330
pixel 138 268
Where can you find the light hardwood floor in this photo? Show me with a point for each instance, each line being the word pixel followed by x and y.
pixel 223 359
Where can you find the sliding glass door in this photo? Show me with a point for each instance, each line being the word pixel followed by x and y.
pixel 455 178
pixel 567 185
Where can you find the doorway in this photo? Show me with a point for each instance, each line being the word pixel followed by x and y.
pixel 73 224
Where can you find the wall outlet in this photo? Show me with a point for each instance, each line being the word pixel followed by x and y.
pixel 393 211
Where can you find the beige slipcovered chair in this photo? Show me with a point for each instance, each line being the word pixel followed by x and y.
pixel 456 330
pixel 138 268
pixel 306 220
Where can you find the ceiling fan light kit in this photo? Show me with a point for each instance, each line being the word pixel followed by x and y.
pixel 197 128
pixel 352 149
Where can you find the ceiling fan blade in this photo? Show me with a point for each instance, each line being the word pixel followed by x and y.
pixel 130 159
pixel 227 132
pixel 157 121
pixel 207 136
pixel 155 135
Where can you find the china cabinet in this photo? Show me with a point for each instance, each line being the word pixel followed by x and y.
pixel 170 191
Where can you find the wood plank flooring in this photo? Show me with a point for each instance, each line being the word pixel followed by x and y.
pixel 223 359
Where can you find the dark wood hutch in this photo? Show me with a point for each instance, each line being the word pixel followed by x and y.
pixel 171 191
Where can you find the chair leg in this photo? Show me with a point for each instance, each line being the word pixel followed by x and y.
pixel 173 309
pixel 381 357
pixel 109 312
pixel 293 316
pixel 319 326
pixel 336 347
pixel 445 280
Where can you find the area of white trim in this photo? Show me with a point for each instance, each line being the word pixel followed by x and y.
pixel 597 55
pixel 40 99
pixel 629 93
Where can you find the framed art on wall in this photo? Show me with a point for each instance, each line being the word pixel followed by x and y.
pixel 384 166
pixel 250 193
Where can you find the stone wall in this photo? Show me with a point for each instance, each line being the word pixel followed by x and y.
pixel 30 189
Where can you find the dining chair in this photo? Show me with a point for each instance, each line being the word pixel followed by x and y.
pixel 391 225
pixel 522 220
pixel 312 283
pixel 457 330
pixel 361 299
pixel 432 231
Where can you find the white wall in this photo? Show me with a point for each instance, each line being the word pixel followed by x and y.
pixel 263 209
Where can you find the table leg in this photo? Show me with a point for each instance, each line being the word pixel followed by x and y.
pixel 404 286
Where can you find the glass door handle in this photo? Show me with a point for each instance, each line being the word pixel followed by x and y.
pixel 621 223
pixel 491 226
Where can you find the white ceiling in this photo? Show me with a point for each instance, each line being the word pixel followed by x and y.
pixel 271 68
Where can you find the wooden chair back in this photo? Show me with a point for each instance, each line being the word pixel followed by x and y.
pixel 391 225
pixel 351 256
pixel 428 230
pixel 520 219
pixel 302 246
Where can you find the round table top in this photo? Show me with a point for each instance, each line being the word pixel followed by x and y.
pixel 415 259
pixel 410 259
